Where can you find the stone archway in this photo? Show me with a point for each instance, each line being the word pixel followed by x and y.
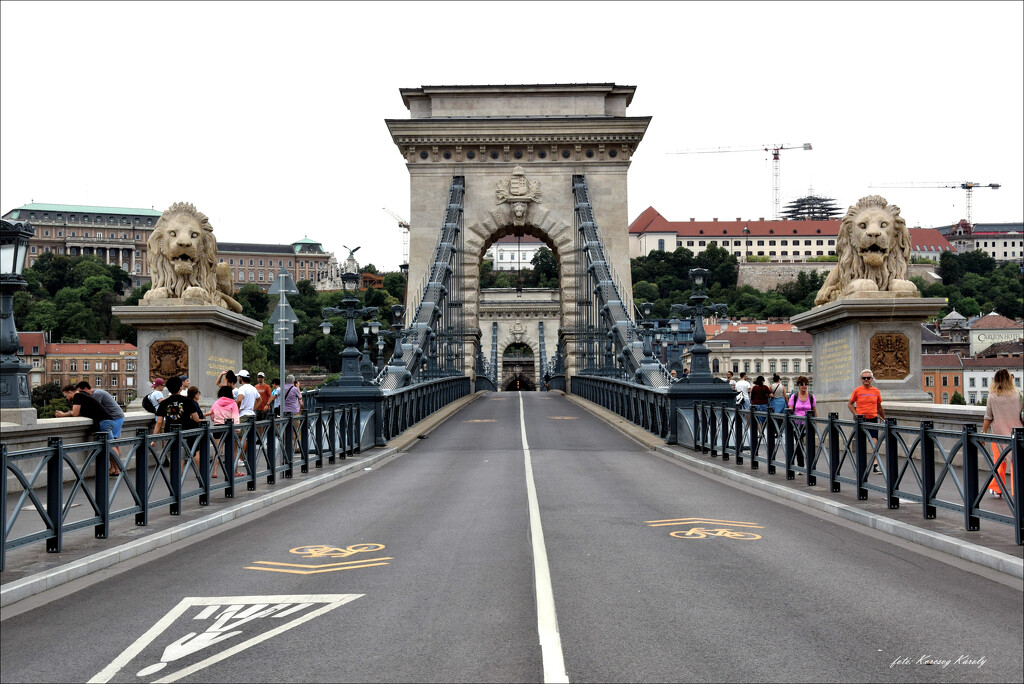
pixel 518 147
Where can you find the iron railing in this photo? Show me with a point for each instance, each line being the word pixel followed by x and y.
pixel 914 461
pixel 647 407
pixel 403 408
pixel 161 470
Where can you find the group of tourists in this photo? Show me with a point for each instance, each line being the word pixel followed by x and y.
pixel 1004 409
pixel 175 404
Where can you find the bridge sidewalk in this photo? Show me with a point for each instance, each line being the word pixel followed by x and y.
pixel 31 570
pixel 992 545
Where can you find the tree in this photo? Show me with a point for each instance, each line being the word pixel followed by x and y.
pixel 394 283
pixel 254 301
pixel 958 399
pixel 370 268
pixel 812 208
pixel 545 266
pixel 44 395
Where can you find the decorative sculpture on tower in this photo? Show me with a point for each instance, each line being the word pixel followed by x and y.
pixel 874 251
pixel 183 262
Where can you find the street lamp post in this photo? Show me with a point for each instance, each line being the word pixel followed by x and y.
pixel 700 369
pixel 14 390
pixel 351 373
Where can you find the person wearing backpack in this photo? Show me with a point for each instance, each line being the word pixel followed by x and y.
pixel 802 402
pixel 151 401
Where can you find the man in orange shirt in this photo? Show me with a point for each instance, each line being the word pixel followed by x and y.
pixel 263 405
pixel 866 401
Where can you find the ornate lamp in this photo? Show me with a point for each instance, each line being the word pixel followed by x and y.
pixel 700 369
pixel 351 375
pixel 350 281
pixel 14 391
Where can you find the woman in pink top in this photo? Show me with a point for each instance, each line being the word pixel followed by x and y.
pixel 802 402
pixel 224 408
pixel 1002 414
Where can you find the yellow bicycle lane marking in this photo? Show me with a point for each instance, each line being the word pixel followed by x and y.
pixel 716 528
pixel 323 551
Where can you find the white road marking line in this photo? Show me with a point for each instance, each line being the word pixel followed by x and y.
pixel 547 621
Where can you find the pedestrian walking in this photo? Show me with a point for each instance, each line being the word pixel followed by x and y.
pixel 759 396
pixel 778 399
pixel 224 409
pixel 263 405
pixel 866 402
pixel 275 396
pixel 176 410
pixel 743 387
pixel 802 402
pixel 1002 415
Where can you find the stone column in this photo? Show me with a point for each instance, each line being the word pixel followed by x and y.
pixel 880 333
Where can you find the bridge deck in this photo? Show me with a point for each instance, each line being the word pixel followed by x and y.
pixel 656 573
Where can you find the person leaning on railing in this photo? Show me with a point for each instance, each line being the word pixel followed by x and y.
pixel 1002 415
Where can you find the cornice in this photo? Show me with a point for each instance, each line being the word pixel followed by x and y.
pixel 517 131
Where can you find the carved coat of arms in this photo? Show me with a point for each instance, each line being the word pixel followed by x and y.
pixel 519 192
pixel 890 356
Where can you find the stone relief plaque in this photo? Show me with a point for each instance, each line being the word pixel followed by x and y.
pixel 168 358
pixel 890 356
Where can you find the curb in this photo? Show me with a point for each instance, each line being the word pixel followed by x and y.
pixel 964 550
pixel 35 584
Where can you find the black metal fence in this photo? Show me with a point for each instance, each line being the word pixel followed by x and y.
pixel 913 462
pixel 161 470
pixel 645 406
pixel 408 405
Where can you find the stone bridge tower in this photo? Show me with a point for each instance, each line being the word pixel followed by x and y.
pixel 518 147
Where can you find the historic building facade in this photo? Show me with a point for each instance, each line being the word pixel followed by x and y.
pixel 119 236
pixel 109 366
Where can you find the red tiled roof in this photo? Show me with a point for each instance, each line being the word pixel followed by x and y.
pixel 993 362
pixel 929 240
pixel 31 339
pixel 715 329
pixel 773 338
pixel 98 348
pixel 933 361
pixel 995 322
pixel 650 221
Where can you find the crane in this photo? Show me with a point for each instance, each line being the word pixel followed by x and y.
pixel 774 149
pixel 403 225
pixel 969 186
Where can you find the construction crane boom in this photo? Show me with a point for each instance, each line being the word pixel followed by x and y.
pixel 403 225
pixel 969 186
pixel 774 149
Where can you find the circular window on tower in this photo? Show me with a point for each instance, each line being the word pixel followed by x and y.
pixel 542 154
pixel 423 154
pixel 565 154
pixel 519 154
pixel 613 153
pixel 494 155
pixel 447 154
pixel 590 154
pixel 471 155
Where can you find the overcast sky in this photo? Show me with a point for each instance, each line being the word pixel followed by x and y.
pixel 270 117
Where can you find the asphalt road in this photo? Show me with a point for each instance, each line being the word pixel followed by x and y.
pixel 424 570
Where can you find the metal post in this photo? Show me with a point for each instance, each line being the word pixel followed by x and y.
pixel 891 464
pixel 969 449
pixel 861 463
pixel 833 453
pixel 790 444
pixel 204 464
pixel 102 490
pixel 927 469
pixel 142 476
pixel 810 449
pixel 175 468
pixel 1016 459
pixel 229 458
pixel 54 493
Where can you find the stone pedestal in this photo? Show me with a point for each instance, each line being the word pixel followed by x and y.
pixel 880 333
pixel 200 341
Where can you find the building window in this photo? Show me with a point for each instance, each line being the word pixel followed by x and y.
pixel 929 381
pixel 56 365
pixel 113 381
pixel 746 366
pixel 735 367
pixel 661 245
pixel 73 365
pixel 796 365
pixel 261 262
pixel 261 276
pixel 129 366
pixel 970 382
pixel 785 366
pixel 99 381
pixel 689 243
pixel 714 365
pixel 984 382
pixel 945 398
pixel 231 262
pixel 85 365
pixel 113 365
pixel 757 366
pixel 956 381
pixel 252 276
pixel 771 366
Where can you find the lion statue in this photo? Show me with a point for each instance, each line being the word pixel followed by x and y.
pixel 183 261
pixel 874 250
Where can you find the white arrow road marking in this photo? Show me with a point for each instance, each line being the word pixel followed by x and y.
pixel 231 613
